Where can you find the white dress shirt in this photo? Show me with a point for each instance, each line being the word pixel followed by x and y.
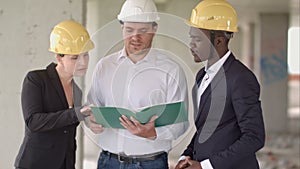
pixel 210 74
pixel 156 79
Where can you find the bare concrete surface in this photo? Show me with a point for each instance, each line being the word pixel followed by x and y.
pixel 282 149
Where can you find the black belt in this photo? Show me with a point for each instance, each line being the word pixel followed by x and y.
pixel 134 159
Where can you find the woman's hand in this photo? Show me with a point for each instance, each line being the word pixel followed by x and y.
pixel 94 126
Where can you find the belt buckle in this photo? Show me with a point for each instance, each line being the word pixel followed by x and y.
pixel 121 157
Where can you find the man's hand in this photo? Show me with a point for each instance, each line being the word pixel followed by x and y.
pixel 183 163
pixel 138 129
pixel 194 164
pixel 94 126
pixel 187 163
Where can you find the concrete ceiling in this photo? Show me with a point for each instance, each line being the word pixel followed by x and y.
pixel 262 5
pixel 257 5
pixel 248 10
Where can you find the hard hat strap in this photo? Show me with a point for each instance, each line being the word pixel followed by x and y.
pixel 212 37
pixel 212 44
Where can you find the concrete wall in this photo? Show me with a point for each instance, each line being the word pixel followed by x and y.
pixel 25 27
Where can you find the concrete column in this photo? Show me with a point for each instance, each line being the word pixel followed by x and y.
pixel 105 30
pixel 247 44
pixel 273 70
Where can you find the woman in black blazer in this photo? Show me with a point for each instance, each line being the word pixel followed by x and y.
pixel 51 102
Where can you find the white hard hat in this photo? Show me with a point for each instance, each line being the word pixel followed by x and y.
pixel 138 11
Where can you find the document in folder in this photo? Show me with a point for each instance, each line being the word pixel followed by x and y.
pixel 167 114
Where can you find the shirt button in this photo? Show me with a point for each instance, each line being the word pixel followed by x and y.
pixel 65 131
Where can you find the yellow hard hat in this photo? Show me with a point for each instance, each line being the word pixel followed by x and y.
pixel 138 11
pixel 214 15
pixel 70 37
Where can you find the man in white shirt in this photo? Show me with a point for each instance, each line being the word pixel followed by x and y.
pixel 136 77
pixel 228 114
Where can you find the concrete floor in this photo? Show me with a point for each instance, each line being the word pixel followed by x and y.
pixel 282 150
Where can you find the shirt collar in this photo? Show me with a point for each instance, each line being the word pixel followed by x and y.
pixel 150 55
pixel 122 55
pixel 216 66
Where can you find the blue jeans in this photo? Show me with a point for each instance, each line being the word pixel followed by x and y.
pixel 107 162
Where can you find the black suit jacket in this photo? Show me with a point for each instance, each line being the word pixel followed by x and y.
pixel 229 122
pixel 50 126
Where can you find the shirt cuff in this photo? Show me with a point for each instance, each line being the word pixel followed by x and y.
pixel 181 158
pixel 205 164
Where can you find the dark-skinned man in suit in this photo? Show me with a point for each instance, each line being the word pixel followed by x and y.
pixel 228 115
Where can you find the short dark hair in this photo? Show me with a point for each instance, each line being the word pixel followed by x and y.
pixel 225 34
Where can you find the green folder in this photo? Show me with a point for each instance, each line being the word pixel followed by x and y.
pixel 167 114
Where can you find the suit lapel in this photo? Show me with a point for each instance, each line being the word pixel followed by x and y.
pixel 194 97
pixel 55 81
pixel 199 78
pixel 217 88
pixel 77 95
